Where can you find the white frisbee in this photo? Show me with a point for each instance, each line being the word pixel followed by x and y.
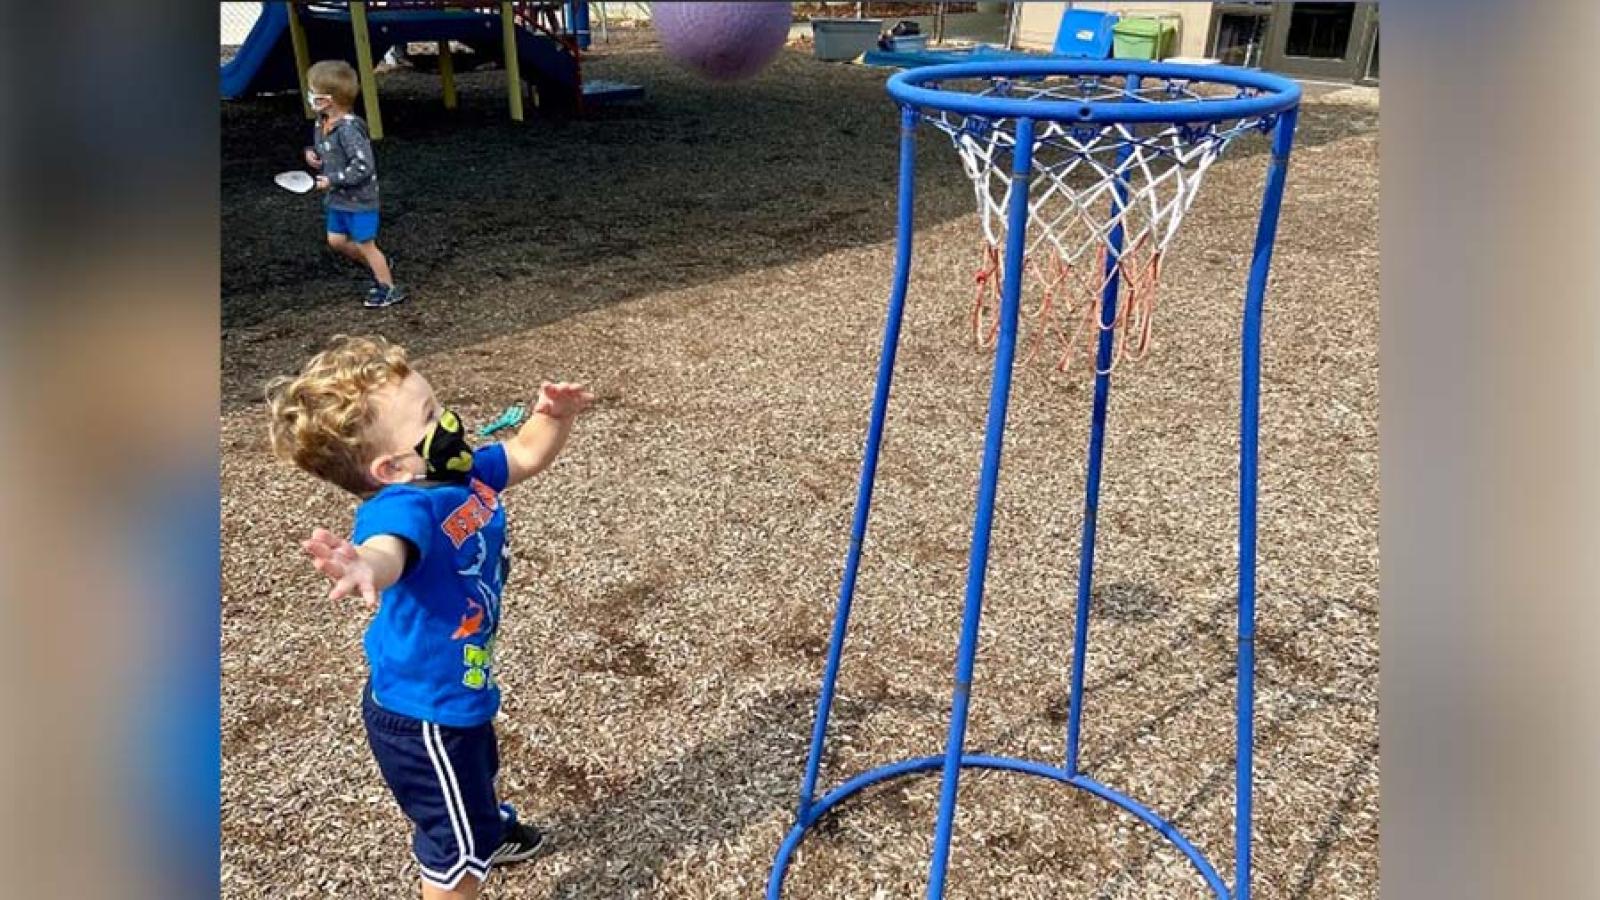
pixel 295 180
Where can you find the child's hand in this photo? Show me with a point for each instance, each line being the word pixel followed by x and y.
pixel 562 400
pixel 312 159
pixel 338 559
pixel 322 182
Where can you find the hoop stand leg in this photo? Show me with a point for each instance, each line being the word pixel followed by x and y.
pixel 1097 444
pixel 869 467
pixel 978 560
pixel 1249 424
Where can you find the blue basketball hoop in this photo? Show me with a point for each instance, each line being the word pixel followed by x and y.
pixel 1117 151
pixel 1116 97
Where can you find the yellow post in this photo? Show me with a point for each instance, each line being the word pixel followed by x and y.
pixel 369 84
pixel 302 56
pixel 508 31
pixel 447 72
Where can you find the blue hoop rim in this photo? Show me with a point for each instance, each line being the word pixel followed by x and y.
pixel 1282 93
pixel 822 806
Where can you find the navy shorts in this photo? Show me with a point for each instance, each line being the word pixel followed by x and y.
pixel 360 226
pixel 444 780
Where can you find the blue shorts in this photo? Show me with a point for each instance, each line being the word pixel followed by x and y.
pixel 444 780
pixel 360 226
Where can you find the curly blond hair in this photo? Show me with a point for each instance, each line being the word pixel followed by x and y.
pixel 336 78
pixel 319 419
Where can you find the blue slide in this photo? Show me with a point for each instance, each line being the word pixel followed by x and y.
pixel 263 53
pixel 265 62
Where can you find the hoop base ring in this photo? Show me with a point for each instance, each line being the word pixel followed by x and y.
pixel 820 808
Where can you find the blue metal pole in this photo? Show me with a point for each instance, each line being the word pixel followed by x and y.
pixel 869 463
pixel 1249 423
pixel 580 23
pixel 1097 442
pixel 978 561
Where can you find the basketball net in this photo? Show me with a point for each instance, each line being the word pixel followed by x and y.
pixel 1087 181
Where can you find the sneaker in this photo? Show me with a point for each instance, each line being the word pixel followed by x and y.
pixel 385 295
pixel 521 841
pixel 373 284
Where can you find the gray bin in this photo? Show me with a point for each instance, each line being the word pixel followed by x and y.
pixel 844 39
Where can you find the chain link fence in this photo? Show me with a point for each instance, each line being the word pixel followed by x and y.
pixel 237 20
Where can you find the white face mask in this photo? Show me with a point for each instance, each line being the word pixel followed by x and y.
pixel 319 102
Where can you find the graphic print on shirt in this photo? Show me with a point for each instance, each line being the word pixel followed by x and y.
pixel 488 584
pixel 471 622
pixel 481 615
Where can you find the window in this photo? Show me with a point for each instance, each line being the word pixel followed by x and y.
pixel 1320 30
pixel 1241 33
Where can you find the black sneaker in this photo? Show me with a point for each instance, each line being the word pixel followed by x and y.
pixel 521 841
pixel 385 295
pixel 374 286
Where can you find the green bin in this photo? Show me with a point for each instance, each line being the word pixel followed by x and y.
pixel 1142 38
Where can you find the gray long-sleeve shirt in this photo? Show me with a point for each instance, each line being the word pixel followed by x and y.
pixel 348 164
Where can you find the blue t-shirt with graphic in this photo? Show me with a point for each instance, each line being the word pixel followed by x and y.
pixel 431 645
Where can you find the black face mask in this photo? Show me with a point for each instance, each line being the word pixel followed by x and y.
pixel 444 448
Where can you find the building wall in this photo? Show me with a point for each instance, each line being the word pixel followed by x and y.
pixel 1038 22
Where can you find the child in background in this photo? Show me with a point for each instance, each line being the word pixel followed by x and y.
pixel 341 150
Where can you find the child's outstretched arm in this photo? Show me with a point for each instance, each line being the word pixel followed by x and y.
pixel 366 569
pixel 539 441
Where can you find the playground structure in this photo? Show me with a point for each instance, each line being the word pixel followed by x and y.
pixel 1100 160
pixel 539 44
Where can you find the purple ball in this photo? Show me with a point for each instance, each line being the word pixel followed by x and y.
pixel 722 41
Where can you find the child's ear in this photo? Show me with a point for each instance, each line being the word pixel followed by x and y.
pixel 387 470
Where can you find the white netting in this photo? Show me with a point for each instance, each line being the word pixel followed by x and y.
pixel 1088 180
